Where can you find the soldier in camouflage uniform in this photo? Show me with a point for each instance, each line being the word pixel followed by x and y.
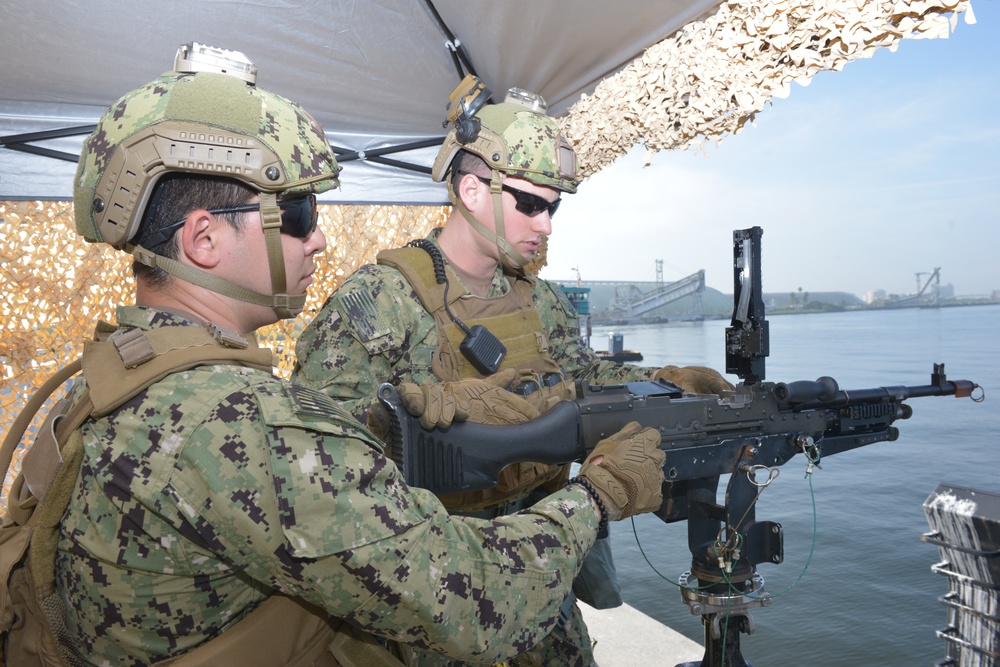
pixel 403 321
pixel 219 488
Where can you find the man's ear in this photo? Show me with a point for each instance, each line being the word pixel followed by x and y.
pixel 469 190
pixel 200 238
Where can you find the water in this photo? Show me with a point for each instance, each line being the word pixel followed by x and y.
pixel 868 596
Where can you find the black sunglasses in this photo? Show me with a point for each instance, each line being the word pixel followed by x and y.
pixel 299 216
pixel 525 202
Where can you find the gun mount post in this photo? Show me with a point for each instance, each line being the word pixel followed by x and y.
pixel 723 572
pixel 726 543
pixel 725 616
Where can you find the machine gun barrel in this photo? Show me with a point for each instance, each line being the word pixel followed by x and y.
pixel 824 392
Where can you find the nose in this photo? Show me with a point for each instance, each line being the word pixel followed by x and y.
pixel 542 223
pixel 315 243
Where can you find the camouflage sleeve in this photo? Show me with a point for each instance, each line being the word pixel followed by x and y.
pixel 320 513
pixel 563 328
pixel 366 334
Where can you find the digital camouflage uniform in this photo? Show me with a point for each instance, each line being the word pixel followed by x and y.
pixel 220 485
pixel 374 329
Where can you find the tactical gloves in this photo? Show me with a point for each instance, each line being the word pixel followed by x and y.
pixel 479 401
pixel 694 379
pixel 629 476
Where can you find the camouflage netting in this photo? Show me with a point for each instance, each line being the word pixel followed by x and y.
pixel 714 75
pixel 706 82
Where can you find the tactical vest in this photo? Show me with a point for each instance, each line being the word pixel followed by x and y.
pixel 32 613
pixel 514 320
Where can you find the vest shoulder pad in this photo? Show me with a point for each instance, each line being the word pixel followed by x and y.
pixel 121 367
pixel 551 290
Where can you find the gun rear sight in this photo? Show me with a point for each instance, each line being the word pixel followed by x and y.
pixel 748 338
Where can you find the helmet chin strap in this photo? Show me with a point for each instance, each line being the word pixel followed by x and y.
pixel 510 258
pixel 285 306
pixel 270 218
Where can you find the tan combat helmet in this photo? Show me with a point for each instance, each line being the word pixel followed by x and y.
pixel 205 117
pixel 515 137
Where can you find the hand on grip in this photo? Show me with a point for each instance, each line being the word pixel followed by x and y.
pixel 627 471
pixel 481 401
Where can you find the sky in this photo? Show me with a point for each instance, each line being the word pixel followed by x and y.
pixel 860 180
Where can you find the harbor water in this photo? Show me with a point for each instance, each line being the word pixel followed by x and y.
pixel 856 586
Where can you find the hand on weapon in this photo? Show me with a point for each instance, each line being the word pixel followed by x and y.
pixel 627 471
pixel 694 379
pixel 478 401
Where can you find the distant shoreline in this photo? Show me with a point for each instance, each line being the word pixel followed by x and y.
pixel 950 303
pixel 825 308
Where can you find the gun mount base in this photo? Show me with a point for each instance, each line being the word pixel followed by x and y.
pixel 722 639
pixel 725 615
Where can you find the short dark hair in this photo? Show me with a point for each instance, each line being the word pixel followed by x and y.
pixel 173 198
pixel 465 162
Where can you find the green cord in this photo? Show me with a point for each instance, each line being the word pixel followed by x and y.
pixel 653 567
pixel 812 547
pixel 725 575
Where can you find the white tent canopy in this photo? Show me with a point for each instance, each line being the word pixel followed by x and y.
pixel 376 74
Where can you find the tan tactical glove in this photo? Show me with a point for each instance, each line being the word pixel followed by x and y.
pixel 378 421
pixel 479 401
pixel 694 379
pixel 546 398
pixel 629 476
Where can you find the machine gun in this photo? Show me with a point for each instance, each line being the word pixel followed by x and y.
pixel 753 429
